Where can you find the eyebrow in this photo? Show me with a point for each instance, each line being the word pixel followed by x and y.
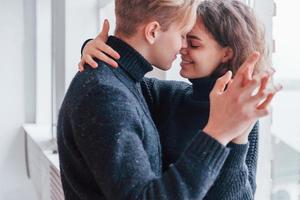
pixel 193 37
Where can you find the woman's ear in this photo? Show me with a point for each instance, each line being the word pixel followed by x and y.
pixel 152 30
pixel 228 54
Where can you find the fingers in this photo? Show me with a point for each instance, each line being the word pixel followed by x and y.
pixel 97 48
pixel 247 76
pixel 264 82
pixel 264 79
pixel 222 82
pixel 262 113
pixel 248 66
pixel 269 98
pixel 89 60
pixel 266 102
pixel 260 82
pixel 263 110
pixel 244 74
pixel 102 46
pixel 248 91
pixel 105 29
pixel 80 66
pixel 263 96
pixel 263 89
pixel 101 56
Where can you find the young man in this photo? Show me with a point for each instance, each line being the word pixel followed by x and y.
pixel 109 147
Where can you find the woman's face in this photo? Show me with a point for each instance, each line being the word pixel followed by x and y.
pixel 203 54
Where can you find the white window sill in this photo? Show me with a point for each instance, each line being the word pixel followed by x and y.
pixel 42 163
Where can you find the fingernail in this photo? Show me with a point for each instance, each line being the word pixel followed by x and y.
pixel 257 53
pixel 278 87
pixel 115 65
pixel 271 71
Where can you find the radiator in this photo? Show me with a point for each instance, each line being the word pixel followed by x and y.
pixel 42 165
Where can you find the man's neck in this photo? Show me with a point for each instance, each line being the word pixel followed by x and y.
pixel 137 44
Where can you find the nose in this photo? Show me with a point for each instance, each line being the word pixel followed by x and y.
pixel 183 51
pixel 184 43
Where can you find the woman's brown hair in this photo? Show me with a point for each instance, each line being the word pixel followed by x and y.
pixel 234 24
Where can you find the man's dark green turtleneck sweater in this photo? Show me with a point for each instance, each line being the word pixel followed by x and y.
pixel 109 147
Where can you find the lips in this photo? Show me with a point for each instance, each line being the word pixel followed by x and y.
pixel 186 61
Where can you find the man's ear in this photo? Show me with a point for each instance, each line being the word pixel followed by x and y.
pixel 151 31
pixel 228 54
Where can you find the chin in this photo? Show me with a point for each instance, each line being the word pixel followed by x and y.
pixel 184 74
pixel 165 67
pixel 190 75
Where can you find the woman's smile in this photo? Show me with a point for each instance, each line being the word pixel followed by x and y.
pixel 185 61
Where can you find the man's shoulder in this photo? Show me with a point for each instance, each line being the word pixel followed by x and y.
pixel 102 76
pixel 98 84
pixel 107 99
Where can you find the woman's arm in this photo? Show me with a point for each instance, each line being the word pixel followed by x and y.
pixel 238 174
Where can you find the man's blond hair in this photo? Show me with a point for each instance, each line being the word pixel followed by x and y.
pixel 132 13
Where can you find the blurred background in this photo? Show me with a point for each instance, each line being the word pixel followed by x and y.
pixel 39 51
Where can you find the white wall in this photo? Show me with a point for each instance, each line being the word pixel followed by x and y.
pixel 73 22
pixel 17 96
pixel 81 23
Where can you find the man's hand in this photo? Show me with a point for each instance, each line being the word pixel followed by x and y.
pixel 97 48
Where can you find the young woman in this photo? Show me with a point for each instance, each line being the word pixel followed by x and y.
pixel 226 32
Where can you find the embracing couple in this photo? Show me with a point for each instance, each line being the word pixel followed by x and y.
pixel 124 136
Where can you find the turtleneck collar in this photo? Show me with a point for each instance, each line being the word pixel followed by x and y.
pixel 202 87
pixel 131 60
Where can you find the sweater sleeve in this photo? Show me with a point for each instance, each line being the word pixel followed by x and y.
pixel 252 155
pixel 110 141
pixel 83 45
pixel 238 174
pixel 237 179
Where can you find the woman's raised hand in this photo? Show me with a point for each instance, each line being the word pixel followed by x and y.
pixel 97 48
pixel 234 105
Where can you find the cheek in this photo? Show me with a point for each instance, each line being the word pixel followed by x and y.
pixel 196 56
pixel 176 41
pixel 203 62
pixel 176 45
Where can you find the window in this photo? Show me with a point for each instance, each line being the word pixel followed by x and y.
pixel 286 107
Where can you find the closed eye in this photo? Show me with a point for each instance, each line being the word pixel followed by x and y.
pixel 192 45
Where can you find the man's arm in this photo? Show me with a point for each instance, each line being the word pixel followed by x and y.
pixel 110 139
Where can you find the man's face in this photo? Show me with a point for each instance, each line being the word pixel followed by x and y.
pixel 167 46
